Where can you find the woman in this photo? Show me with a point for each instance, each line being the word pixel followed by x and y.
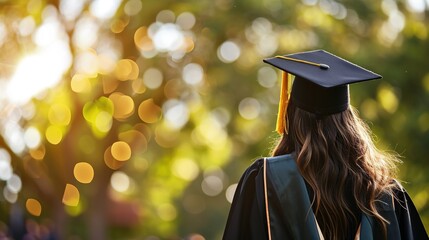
pixel 326 179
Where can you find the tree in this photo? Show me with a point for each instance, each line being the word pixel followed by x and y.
pixel 136 118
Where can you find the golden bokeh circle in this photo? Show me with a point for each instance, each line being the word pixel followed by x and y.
pixel 121 151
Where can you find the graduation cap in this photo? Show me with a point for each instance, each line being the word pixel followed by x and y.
pixel 321 83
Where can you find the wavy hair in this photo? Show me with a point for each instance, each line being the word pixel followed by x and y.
pixel 337 157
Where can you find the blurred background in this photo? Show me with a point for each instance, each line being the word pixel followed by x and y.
pixel 132 119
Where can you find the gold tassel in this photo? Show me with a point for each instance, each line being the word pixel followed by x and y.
pixel 283 103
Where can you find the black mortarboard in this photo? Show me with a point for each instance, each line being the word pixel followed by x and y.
pixel 321 82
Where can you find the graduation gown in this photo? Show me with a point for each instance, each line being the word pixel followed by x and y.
pixel 290 208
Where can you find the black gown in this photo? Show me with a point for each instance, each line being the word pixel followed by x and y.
pixel 290 209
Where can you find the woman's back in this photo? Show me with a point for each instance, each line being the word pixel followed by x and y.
pixel 326 177
pixel 343 170
pixel 287 211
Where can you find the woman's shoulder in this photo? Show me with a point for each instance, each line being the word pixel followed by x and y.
pixel 273 162
pixel 284 157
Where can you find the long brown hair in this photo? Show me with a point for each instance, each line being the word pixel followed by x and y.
pixel 336 152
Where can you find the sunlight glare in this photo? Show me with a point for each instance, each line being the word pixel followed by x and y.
pixel 71 9
pixel 32 137
pixel 85 32
pixel 104 9
pixel 167 37
pixel 26 26
pixel 37 72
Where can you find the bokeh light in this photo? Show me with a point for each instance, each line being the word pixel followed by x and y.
pixel 9 196
pixel 193 74
pixel 149 112
pixel 261 34
pixel 213 182
pixel 152 89
pixel 126 69
pixel 186 20
pixel 144 42
pixel 120 181
pixel 103 9
pixel 80 83
pixel 136 139
pixel 416 5
pixel 176 113
pixel 71 195
pixel 59 114
pixel 230 191
pixel 166 136
pixel 211 132
pixel 5 170
pixel 249 108
pixel 121 151
pixel 14 136
pixel 110 161
pixel 387 98
pixel 86 63
pixel 166 37
pixel 123 105
pixel 212 185
pixel 85 32
pixel 54 134
pixel 33 206
pixel 267 77
pixel 71 9
pixel 83 172
pixel 185 168
pixel 14 183
pixel 167 212
pixel 152 78
pixel 38 153
pixel 26 26
pixel 133 7
pixel 228 52
pixel 4 155
pixel 165 16
pixel 103 122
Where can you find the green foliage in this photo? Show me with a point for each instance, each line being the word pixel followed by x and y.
pixel 169 102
